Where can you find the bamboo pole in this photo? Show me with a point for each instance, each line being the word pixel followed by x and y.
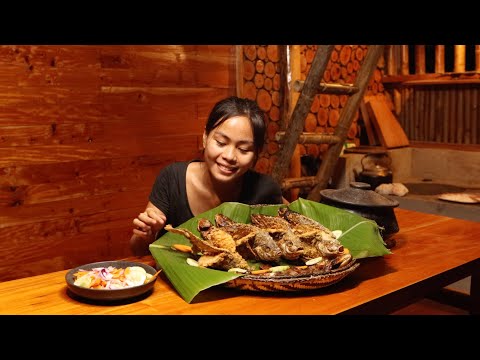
pixel 437 115
pixel 451 116
pixel 404 60
pixel 404 113
pixel 410 112
pixel 432 129
pixel 477 58
pixel 416 113
pixel 445 114
pixel 475 115
pixel 460 114
pixel 420 59
pixel 425 118
pixel 459 58
pixel 339 89
pixel 305 181
pixel 391 63
pixel 467 132
pixel 311 138
pixel 440 59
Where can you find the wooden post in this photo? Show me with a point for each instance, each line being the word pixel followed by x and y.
pixel 440 59
pixel 295 74
pixel 239 69
pixel 419 59
pixel 477 57
pixel 404 61
pixel 459 58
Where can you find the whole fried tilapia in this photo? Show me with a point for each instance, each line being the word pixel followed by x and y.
pixel 251 241
pixel 212 256
pixel 313 232
pixel 290 245
pixel 216 236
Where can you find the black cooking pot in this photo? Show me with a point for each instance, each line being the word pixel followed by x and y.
pixel 361 200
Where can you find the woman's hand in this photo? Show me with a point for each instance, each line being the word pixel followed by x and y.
pixel 146 227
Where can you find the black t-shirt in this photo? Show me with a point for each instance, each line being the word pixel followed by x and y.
pixel 169 192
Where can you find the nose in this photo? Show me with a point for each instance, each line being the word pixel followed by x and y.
pixel 230 154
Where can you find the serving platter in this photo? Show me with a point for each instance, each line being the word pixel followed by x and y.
pixel 107 295
pixel 360 236
pixel 291 283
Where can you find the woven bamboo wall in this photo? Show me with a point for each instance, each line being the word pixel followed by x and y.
pixel 435 91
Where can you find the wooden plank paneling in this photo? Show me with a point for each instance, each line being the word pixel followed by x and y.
pixel 84 131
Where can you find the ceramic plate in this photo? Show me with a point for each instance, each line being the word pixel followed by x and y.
pixel 107 294
pixel 464 198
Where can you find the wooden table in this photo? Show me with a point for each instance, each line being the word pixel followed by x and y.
pixel 431 252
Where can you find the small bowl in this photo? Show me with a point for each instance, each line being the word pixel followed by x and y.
pixel 109 294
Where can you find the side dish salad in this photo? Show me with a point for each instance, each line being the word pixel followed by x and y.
pixel 111 277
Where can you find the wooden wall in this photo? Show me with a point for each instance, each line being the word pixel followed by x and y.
pixel 83 132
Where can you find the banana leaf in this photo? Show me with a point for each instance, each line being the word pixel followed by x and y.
pixel 360 235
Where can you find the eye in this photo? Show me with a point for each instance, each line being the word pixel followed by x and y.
pixel 219 143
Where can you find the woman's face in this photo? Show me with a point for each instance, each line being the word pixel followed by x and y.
pixel 229 149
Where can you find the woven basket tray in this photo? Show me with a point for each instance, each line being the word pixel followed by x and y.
pixel 297 283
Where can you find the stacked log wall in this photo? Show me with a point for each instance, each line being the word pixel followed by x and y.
pixel 325 111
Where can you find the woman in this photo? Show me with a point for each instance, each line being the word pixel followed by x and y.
pixel 233 138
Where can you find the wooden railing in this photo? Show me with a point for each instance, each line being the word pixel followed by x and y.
pixel 435 91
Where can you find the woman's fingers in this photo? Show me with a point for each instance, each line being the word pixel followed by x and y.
pixel 149 222
pixel 156 215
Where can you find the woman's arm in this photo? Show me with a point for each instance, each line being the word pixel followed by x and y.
pixel 145 229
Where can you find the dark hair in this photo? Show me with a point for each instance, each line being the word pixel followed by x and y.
pixel 235 106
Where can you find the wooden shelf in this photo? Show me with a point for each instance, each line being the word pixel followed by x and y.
pixel 472 77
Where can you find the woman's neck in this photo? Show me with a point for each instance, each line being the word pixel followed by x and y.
pixel 220 191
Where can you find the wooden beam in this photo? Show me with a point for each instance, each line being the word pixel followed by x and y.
pixel 440 78
pixel 305 181
pixel 324 88
pixel 311 138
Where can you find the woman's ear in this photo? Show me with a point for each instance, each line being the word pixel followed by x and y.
pixel 204 139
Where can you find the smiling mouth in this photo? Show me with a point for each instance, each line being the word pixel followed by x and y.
pixel 228 169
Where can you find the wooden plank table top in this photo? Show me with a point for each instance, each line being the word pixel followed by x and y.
pixel 431 252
